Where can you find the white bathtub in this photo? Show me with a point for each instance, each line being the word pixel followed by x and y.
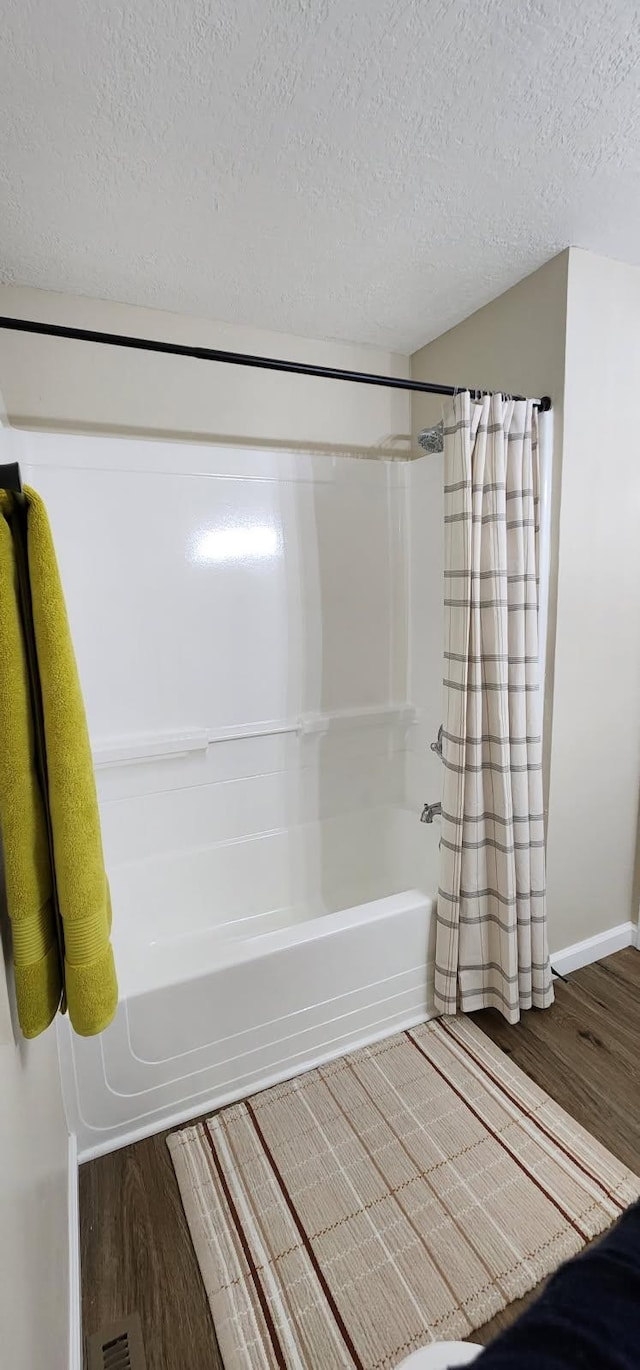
pixel 246 962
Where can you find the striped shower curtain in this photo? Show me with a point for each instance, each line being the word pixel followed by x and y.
pixel 491 941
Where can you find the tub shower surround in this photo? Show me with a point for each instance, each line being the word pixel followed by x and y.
pixel 241 620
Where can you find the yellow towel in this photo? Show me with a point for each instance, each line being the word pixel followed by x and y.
pixel 88 973
pixel 24 837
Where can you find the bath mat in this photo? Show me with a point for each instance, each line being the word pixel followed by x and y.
pixel 402 1194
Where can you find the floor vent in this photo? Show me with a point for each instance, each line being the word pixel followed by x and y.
pixel 118 1346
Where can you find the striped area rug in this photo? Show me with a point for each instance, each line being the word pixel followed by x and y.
pixel 403 1194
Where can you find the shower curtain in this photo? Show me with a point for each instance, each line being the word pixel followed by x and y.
pixel 491 939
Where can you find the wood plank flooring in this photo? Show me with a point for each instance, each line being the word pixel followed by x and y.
pixel 136 1248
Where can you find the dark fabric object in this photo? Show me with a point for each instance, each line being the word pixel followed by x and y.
pixel 588 1315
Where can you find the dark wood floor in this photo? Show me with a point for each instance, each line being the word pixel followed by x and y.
pixel 136 1249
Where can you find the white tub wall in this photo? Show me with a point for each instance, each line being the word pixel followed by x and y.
pixel 245 887
pixel 425 552
pixel 168 641
pixel 303 625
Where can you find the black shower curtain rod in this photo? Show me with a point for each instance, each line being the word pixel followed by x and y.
pixel 216 354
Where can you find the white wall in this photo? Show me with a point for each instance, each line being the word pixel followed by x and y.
pixel 34 1258
pixel 75 386
pixel 595 762
pixel 34 1236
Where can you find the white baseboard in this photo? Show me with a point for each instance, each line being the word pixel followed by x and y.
pixel 594 948
pixel 75 1294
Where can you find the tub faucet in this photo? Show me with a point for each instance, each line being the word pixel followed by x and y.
pixel 429 812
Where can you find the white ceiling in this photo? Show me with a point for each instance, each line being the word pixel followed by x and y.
pixel 361 169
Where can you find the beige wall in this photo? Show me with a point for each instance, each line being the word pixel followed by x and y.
pixel 34 1257
pixel 595 766
pixel 572 330
pixel 516 344
pixel 76 386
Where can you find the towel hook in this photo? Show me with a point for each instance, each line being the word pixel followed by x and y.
pixel 10 478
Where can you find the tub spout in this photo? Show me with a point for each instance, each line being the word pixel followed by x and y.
pixel 429 812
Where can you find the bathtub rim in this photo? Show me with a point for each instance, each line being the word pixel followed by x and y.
pixel 136 977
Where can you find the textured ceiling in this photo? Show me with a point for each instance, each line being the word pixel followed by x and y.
pixel 362 169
